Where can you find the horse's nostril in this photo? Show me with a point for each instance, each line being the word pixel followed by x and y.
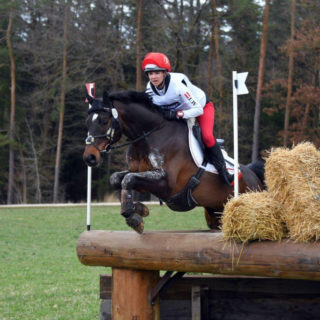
pixel 90 160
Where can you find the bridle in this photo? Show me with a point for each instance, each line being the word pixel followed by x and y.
pixel 90 140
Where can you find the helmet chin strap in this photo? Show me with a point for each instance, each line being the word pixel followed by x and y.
pixel 161 85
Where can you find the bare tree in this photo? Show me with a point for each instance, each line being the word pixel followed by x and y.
pixel 183 19
pixel 263 49
pixel 12 108
pixel 290 74
pixel 138 48
pixel 35 165
pixel 62 105
pixel 214 43
pixel 211 49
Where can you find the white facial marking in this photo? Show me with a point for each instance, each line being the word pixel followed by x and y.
pixel 95 116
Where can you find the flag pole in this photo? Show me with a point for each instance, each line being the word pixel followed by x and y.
pixel 238 88
pixel 91 91
pixel 235 133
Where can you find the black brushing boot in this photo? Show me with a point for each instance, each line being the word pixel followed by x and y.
pixel 216 158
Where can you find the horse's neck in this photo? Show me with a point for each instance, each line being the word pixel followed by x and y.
pixel 137 120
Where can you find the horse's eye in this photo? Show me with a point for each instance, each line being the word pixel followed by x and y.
pixel 104 121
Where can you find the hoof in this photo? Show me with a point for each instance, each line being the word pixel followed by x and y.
pixel 135 222
pixel 139 229
pixel 141 209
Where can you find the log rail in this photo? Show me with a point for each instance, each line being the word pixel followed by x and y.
pixel 198 251
pixel 136 261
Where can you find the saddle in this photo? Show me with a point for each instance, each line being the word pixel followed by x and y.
pixel 184 201
pixel 196 130
pixel 197 149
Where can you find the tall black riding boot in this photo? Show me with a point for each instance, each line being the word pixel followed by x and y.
pixel 216 158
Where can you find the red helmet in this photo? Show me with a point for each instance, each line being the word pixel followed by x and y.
pixel 155 61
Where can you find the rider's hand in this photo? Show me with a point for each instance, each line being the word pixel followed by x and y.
pixel 170 114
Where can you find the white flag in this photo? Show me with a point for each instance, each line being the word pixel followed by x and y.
pixel 241 83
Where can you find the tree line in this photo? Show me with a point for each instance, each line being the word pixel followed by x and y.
pixel 49 49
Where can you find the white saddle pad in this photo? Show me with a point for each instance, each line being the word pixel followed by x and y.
pixel 198 156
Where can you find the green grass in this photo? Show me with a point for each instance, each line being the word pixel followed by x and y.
pixel 40 274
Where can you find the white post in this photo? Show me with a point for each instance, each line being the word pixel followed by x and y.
pixel 235 132
pixel 238 87
pixel 91 91
pixel 89 179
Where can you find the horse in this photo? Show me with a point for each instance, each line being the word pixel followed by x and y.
pixel 158 158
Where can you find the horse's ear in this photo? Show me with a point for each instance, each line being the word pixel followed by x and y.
pixel 105 99
pixel 89 98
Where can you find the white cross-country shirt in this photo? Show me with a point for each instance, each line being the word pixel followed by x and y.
pixel 179 94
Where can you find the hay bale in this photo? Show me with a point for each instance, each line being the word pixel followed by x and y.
pixel 293 179
pixel 253 216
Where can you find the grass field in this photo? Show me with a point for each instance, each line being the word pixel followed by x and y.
pixel 40 275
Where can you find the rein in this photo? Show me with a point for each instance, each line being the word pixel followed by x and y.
pixel 135 140
pixel 90 140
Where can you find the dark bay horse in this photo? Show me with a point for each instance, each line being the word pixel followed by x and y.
pixel 158 157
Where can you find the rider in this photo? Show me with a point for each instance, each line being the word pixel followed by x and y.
pixel 180 99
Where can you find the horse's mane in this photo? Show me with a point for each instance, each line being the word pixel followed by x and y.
pixel 131 96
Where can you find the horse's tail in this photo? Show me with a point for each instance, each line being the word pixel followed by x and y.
pixel 258 168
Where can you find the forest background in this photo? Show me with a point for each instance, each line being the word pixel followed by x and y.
pixel 49 49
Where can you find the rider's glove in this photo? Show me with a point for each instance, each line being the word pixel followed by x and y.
pixel 170 114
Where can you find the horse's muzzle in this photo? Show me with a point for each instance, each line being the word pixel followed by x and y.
pixel 92 157
pixel 91 160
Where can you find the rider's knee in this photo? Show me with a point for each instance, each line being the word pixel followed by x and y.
pixel 208 139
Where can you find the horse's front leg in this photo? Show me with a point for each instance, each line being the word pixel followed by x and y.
pixel 116 178
pixel 147 180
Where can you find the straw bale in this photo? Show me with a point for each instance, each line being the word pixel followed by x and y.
pixel 253 216
pixel 293 179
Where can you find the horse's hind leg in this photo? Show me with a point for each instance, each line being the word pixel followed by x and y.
pixel 213 218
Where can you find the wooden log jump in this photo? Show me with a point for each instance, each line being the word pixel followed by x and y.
pixel 136 261
pixel 198 252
